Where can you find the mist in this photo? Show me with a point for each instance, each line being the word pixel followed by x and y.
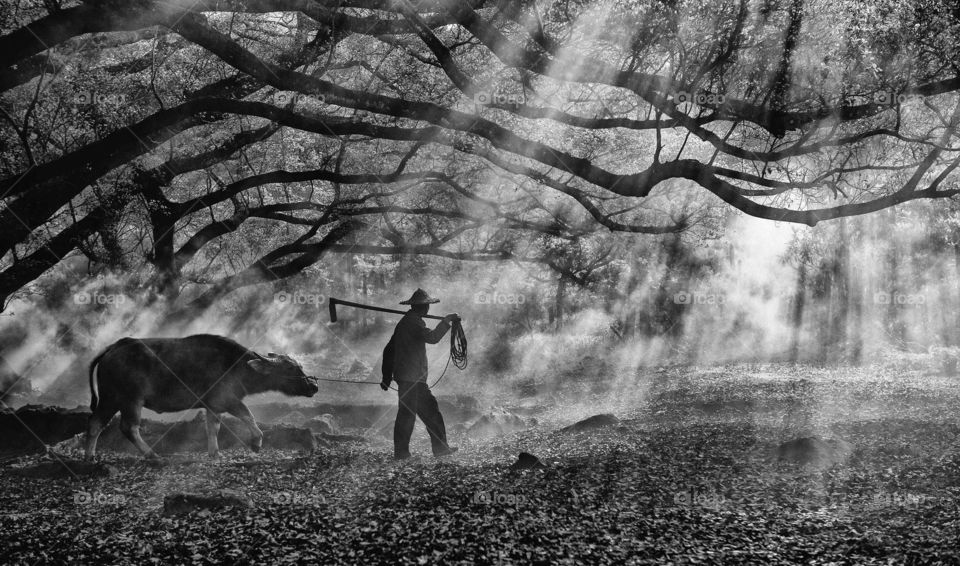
pixel 758 292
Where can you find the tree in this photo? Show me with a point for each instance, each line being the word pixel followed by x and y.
pixel 453 128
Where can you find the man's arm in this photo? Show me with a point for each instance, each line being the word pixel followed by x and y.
pixel 437 334
pixel 387 365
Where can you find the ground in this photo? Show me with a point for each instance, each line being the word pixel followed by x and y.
pixel 687 477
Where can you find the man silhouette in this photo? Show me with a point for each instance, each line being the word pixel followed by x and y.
pixel 405 361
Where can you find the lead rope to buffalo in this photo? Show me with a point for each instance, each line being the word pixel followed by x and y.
pixel 458 353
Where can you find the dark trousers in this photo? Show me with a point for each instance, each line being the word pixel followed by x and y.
pixel 416 400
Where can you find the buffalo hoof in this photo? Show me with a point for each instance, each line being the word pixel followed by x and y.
pixel 255 447
pixel 214 455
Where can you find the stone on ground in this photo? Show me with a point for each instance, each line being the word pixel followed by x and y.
pixel 179 503
pixel 592 423
pixel 33 427
pixel 496 423
pixel 324 424
pixel 527 461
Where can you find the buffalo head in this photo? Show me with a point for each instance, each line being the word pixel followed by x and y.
pixel 286 373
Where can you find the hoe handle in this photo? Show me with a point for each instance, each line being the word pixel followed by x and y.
pixel 334 302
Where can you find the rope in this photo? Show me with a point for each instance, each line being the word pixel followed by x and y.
pixel 458 353
pixel 347 381
pixel 458 346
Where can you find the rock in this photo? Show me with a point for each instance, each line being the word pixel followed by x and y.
pixel 319 426
pixel 289 438
pixel 527 461
pixel 592 423
pixel 324 424
pixel 813 451
pixel 33 427
pixel 496 424
pixel 67 469
pixel 179 503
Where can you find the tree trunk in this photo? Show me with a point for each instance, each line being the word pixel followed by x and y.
pixel 561 297
pixel 841 293
pixel 857 296
pixel 892 320
pixel 799 303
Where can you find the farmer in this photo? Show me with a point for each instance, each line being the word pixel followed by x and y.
pixel 405 361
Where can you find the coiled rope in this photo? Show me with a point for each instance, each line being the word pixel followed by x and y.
pixel 458 345
pixel 458 350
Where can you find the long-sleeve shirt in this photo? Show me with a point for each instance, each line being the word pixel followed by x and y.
pixel 410 340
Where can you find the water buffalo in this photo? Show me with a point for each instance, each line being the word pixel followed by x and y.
pixel 175 374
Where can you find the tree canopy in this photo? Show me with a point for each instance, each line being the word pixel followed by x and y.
pixel 225 143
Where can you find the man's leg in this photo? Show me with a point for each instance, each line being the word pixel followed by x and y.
pixel 406 417
pixel 429 412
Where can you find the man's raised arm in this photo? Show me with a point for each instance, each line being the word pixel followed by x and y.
pixel 435 335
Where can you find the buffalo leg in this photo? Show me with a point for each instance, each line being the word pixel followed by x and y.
pixel 98 421
pixel 243 413
pixel 213 431
pixel 130 426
